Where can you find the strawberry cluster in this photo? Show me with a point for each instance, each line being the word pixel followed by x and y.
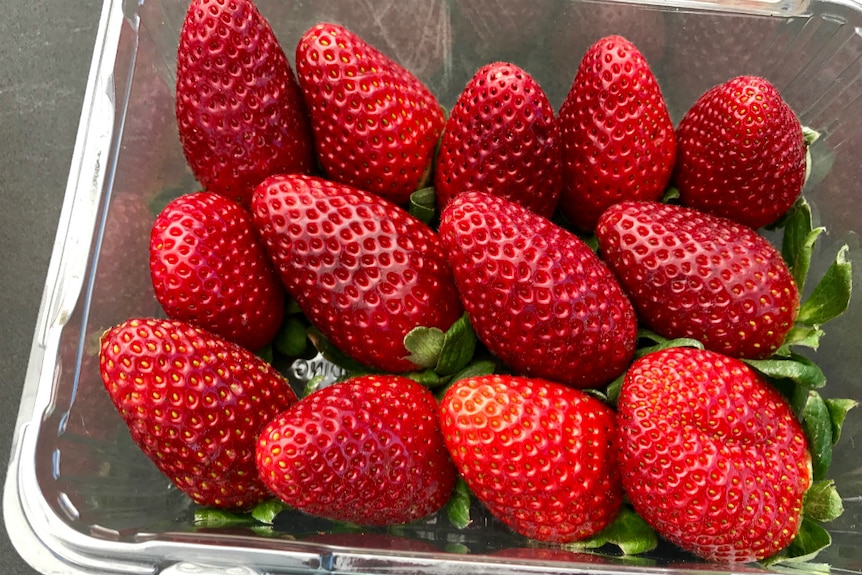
pixel 570 316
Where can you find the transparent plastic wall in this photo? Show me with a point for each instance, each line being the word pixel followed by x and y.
pixel 80 496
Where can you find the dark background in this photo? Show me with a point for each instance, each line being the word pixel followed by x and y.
pixel 45 52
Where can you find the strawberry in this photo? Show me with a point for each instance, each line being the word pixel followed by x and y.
pixel 691 274
pixel 618 138
pixel 536 295
pixel 364 271
pixel 240 112
pixel 367 450
pixel 741 153
pixel 194 404
pixel 375 124
pixel 539 455
pixel 209 268
pixel 501 138
pixel 711 456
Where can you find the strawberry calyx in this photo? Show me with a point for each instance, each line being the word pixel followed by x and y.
pixel 628 532
pixel 809 136
pixel 423 204
pixel 441 357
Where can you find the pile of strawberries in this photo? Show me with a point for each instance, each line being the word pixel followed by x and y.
pixel 572 314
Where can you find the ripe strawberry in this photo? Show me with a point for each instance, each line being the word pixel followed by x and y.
pixel 364 271
pixel 239 109
pixel 618 138
pixel 375 125
pixel 539 455
pixel 194 403
pixel 501 138
pixel 367 450
pixel 691 274
pixel 536 295
pixel 711 456
pixel 741 153
pixel 209 268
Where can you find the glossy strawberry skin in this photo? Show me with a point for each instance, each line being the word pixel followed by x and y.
pixel 691 274
pixel 501 138
pixel 376 126
pixel 367 450
pixel 618 138
pixel 209 268
pixel 711 456
pixel 240 112
pixel 741 153
pixel 536 295
pixel 194 403
pixel 540 455
pixel 364 271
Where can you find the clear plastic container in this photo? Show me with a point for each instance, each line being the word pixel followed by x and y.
pixel 80 498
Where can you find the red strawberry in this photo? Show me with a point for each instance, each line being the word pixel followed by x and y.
pixel 741 153
pixel 711 456
pixel 194 403
pixel 536 295
pixel 364 271
pixel 501 138
pixel 375 125
pixel 691 274
pixel 539 455
pixel 367 450
pixel 239 109
pixel 209 268
pixel 618 138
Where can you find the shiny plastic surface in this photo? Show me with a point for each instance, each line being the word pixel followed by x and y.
pixel 81 498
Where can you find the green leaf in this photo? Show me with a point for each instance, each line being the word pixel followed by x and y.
pixel 292 338
pixel 794 367
pixel 810 135
pixel 476 369
pixel 822 502
pixel 424 345
pixel 458 507
pixel 266 511
pixel 817 425
pixel 291 307
pixel 628 531
pixel 811 539
pixel 265 353
pixel 612 391
pixel 422 204
pixel 459 345
pixel 671 194
pixel 445 352
pixel 838 409
pixel 428 378
pixel 800 335
pixel 212 518
pixel 660 342
pixel 831 297
pixel 313 385
pixel 798 241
